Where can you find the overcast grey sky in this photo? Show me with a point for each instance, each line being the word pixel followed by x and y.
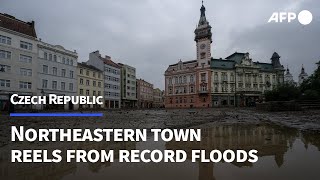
pixel 151 34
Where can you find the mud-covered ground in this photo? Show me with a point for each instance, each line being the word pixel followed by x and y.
pixel 308 121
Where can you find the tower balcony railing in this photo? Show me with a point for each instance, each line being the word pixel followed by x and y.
pixel 203 91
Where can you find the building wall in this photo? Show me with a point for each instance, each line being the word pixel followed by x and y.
pixel 112 78
pixel 157 98
pixel 228 84
pixel 128 86
pixel 19 75
pixel 144 94
pixel 112 85
pixel 14 63
pixel 90 83
pixel 180 85
pixel 57 72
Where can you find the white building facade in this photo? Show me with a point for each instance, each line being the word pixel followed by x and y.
pixel 112 78
pixel 57 73
pixel 18 59
pixel 238 81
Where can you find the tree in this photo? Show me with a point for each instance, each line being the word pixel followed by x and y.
pixel 283 92
pixel 310 88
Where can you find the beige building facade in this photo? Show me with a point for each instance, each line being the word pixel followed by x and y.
pixel 90 83
pixel 158 98
pixel 128 86
pixel 144 94
pixel 238 81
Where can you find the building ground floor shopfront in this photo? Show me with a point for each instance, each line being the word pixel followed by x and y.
pixel 145 104
pixel 188 101
pixel 240 99
pixel 237 100
pixel 245 99
pixel 112 104
pixel 5 104
pixel 223 100
pixel 125 103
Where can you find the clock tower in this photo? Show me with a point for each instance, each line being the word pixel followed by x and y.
pixel 203 38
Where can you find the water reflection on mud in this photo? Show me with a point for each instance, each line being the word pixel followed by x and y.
pixel 283 154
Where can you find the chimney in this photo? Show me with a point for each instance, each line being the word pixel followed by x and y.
pixel 108 57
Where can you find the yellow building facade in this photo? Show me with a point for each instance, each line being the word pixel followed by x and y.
pixel 90 83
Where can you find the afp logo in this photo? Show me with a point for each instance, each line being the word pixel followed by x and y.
pixel 304 17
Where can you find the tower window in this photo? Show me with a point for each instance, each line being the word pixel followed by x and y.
pixel 202 55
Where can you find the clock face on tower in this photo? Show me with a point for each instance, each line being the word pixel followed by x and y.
pixel 202 46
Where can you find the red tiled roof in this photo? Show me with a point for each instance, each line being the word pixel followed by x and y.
pixel 110 63
pixel 11 23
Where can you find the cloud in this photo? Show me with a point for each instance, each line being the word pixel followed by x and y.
pixel 151 34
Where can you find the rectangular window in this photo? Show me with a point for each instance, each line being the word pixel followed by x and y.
pixel 45 69
pixel 87 73
pixel 81 71
pixel 203 77
pixel 55 58
pixel 63 86
pixel 44 83
pixel 87 82
pixel 25 45
pixel 87 92
pixel 71 74
pixel 5 54
pixel 70 86
pixel 45 56
pixel 4 83
pixel 81 91
pixel 63 72
pixel 94 83
pixel 81 81
pixel 25 85
pixel 5 68
pixel 25 59
pixel 54 84
pixel 54 71
pixel 99 84
pixel 93 74
pixel 93 93
pixel 50 57
pixel 25 72
pixel 5 40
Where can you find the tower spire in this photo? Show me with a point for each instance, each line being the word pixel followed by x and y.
pixel 302 70
pixel 203 30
